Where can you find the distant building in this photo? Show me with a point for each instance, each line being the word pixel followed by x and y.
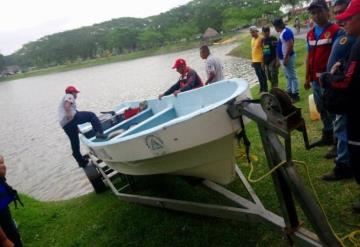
pixel 211 34
pixel 11 70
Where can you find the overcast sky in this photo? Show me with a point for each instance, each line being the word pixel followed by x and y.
pixel 22 21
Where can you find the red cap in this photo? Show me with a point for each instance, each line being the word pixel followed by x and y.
pixel 351 10
pixel 179 62
pixel 71 89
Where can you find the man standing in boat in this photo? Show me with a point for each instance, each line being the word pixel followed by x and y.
pixel 70 118
pixel 213 66
pixel 188 80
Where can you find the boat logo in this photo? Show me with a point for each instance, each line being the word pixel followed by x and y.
pixel 154 143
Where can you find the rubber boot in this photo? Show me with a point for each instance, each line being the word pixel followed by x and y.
pixel 327 139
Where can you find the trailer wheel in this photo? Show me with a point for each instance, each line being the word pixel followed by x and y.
pixel 95 178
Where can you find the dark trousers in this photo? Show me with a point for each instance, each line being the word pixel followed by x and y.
pixel 272 72
pixel 72 131
pixel 260 73
pixel 353 128
pixel 8 226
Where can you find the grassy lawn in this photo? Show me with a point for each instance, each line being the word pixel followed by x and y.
pixel 104 220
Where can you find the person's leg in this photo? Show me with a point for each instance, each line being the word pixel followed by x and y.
pixel 274 71
pixel 288 83
pixel 72 132
pixel 325 116
pixel 8 226
pixel 342 140
pixel 261 76
pixel 293 80
pixel 86 116
pixel 268 72
pixel 327 137
pixel 353 123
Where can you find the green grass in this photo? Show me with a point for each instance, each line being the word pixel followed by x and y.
pixel 104 220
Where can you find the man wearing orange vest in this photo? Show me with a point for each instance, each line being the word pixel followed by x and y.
pixel 188 80
pixel 320 40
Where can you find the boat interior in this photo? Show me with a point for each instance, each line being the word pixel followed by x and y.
pixel 160 111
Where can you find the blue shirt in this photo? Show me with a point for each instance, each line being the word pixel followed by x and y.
pixel 340 50
pixel 285 36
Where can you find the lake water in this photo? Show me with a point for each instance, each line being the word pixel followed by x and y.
pixel 37 151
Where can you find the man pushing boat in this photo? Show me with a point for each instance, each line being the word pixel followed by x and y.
pixel 70 118
pixel 188 80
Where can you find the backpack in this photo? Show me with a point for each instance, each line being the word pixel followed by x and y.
pixel 8 195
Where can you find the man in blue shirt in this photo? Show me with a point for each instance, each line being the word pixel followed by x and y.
pixel 340 52
pixel 286 55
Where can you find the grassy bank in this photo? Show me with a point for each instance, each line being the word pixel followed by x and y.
pixel 104 220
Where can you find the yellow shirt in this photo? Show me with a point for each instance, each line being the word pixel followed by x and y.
pixel 256 50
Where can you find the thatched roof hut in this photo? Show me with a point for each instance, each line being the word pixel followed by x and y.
pixel 210 33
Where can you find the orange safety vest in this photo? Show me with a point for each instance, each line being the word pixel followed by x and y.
pixel 319 50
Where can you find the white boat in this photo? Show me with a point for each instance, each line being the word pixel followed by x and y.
pixel 190 135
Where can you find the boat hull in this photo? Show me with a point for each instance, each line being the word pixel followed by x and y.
pixel 201 145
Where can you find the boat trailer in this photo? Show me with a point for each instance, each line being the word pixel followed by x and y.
pixel 275 119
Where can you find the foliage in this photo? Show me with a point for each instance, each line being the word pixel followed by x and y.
pixel 124 35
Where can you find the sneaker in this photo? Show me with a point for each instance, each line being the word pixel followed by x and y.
pixel 101 136
pixel 331 154
pixel 338 173
pixel 295 97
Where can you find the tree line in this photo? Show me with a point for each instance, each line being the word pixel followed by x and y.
pixel 124 35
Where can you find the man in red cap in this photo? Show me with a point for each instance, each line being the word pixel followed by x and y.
pixel 70 118
pixel 347 84
pixel 188 80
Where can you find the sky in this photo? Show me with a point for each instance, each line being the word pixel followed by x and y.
pixel 22 21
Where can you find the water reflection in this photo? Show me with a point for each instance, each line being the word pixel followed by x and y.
pixel 36 150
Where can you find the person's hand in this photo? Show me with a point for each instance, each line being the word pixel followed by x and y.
pixel 177 92
pixel 160 96
pixel 307 84
pixel 335 67
pixel 277 63
pixel 286 60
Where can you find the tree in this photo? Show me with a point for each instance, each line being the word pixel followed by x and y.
pixel 2 62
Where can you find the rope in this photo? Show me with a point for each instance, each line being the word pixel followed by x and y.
pixel 352 237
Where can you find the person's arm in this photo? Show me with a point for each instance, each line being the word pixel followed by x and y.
pixel 172 89
pixel 2 170
pixel 211 77
pixel 4 241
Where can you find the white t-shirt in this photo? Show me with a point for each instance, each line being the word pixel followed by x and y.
pixel 63 120
pixel 213 64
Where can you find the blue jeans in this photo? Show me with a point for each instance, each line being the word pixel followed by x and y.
pixel 325 116
pixel 341 135
pixel 72 131
pixel 292 82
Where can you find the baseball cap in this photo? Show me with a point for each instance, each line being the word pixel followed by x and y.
pixel 71 89
pixel 253 29
pixel 318 4
pixel 352 9
pixel 179 62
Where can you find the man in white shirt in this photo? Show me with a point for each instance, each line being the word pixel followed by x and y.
pixel 213 66
pixel 70 118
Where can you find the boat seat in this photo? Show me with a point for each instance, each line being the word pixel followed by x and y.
pixel 159 118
